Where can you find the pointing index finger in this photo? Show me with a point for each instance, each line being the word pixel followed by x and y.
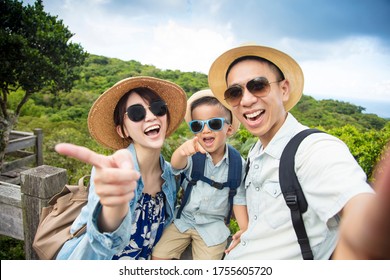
pixel 83 154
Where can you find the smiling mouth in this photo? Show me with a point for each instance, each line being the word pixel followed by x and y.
pixel 153 130
pixel 208 141
pixel 254 116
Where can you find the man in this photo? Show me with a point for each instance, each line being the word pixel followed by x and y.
pixel 260 85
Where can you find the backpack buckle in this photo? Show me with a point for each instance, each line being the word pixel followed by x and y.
pixel 292 201
pixel 217 185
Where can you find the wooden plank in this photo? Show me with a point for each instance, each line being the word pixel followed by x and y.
pixel 15 180
pixel 20 153
pixel 11 221
pixel 18 163
pixel 20 143
pixel 17 134
pixel 10 194
pixel 38 132
pixel 11 217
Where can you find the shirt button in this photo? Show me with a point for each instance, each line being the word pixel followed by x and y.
pixel 257 188
pixel 243 243
pixel 255 217
pixel 256 166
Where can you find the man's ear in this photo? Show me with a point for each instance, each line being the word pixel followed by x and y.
pixel 285 86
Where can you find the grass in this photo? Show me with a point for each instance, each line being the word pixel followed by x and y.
pixel 11 248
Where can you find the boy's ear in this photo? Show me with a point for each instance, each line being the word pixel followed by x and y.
pixel 229 132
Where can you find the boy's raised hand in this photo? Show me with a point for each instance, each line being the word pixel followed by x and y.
pixel 191 147
pixel 180 155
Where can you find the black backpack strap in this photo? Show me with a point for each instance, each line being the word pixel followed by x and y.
pixel 292 191
pixel 234 177
pixel 248 162
pixel 198 164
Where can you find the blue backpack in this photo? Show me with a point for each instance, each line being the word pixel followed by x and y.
pixel 197 173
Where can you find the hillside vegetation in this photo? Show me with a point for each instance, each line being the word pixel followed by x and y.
pixel 63 116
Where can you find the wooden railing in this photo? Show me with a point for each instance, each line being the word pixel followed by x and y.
pixel 20 206
pixel 24 150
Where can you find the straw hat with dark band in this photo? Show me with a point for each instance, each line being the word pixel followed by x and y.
pixel 289 67
pixel 200 94
pixel 101 116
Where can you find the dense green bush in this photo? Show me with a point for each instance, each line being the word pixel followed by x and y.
pixel 11 249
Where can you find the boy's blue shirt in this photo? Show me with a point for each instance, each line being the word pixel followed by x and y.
pixel 95 245
pixel 207 207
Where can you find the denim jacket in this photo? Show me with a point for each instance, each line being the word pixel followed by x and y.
pixel 96 245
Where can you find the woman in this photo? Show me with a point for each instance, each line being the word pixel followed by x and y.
pixel 133 191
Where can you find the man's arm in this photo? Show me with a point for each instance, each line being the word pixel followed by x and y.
pixel 365 226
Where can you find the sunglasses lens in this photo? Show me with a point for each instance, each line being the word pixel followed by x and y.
pixel 258 86
pixel 158 108
pixel 233 94
pixel 136 113
pixel 215 124
pixel 196 126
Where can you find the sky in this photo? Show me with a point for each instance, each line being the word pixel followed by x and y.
pixel 343 46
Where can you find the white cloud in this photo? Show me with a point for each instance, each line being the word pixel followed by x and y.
pixel 167 45
pixel 186 48
pixel 190 38
pixel 355 67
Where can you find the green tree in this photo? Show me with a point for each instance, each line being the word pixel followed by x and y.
pixel 35 54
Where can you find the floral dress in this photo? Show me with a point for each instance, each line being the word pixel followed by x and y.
pixel 147 228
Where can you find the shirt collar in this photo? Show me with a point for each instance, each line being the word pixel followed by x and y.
pixel 224 158
pixel 279 141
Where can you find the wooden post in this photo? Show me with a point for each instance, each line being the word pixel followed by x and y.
pixel 38 185
pixel 38 132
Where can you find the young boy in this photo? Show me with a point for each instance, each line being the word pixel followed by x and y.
pixel 202 220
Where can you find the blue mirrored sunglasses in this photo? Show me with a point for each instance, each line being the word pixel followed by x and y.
pixel 214 124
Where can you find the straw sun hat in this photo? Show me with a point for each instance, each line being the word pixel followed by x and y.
pixel 289 67
pixel 101 116
pixel 200 94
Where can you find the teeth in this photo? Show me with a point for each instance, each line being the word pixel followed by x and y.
pixel 152 127
pixel 255 114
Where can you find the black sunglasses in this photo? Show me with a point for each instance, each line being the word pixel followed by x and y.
pixel 214 124
pixel 258 86
pixel 137 112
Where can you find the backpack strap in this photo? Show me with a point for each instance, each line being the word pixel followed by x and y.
pixel 198 164
pixel 197 173
pixel 234 178
pixel 292 191
pixel 248 162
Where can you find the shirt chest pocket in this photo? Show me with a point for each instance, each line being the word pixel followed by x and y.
pixel 215 201
pixel 275 210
